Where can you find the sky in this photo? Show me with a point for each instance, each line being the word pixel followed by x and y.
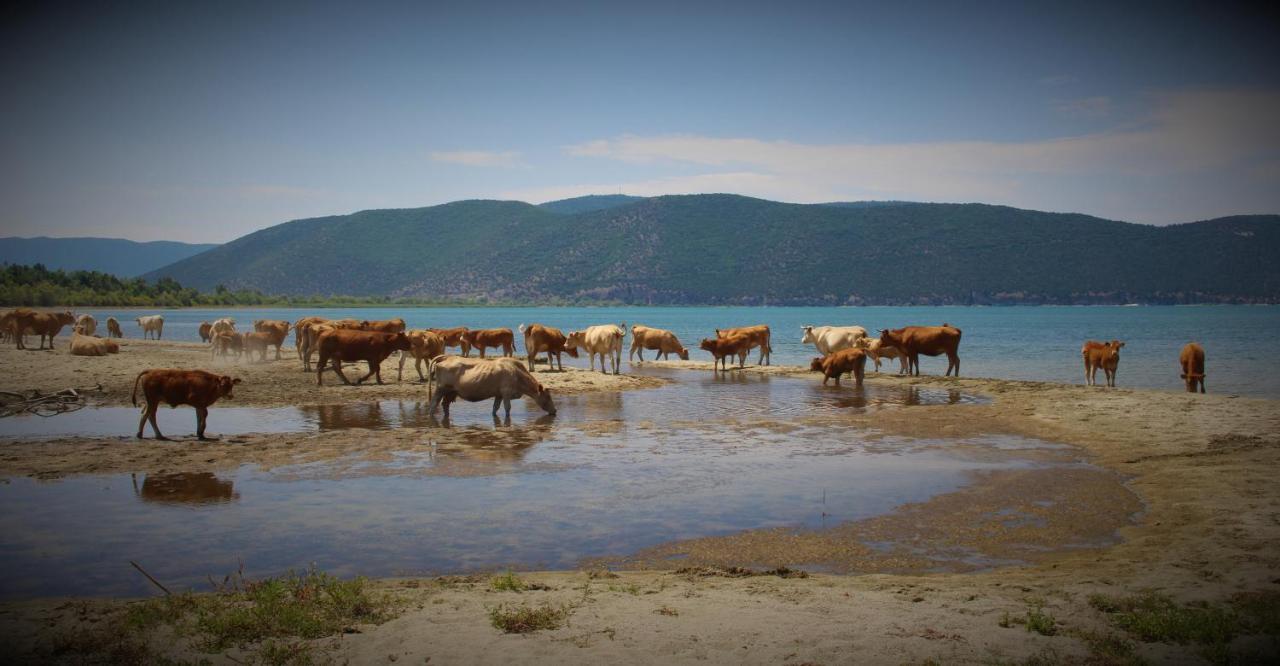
pixel 202 122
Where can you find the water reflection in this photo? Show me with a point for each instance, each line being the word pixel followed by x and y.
pixel 185 488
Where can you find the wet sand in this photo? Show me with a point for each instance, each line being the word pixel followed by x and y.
pixel 1201 467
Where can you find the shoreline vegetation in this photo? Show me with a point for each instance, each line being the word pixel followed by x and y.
pixel 38 286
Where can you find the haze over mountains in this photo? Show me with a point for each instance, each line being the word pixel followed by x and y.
pixel 117 256
pixel 729 249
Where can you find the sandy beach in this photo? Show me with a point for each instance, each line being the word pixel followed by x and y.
pixel 1197 514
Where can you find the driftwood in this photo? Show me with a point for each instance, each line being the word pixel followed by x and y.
pixel 42 404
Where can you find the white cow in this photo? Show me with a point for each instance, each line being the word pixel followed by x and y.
pixel 877 350
pixel 828 339
pixel 605 340
pixel 224 325
pixel 151 324
pixel 476 379
pixel 86 325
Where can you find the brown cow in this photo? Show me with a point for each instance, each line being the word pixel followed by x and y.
pixel 113 328
pixel 206 331
pixel 258 341
pixel 453 338
pixel 1105 355
pixel 300 331
pixel 173 387
pixel 759 336
pixel 348 345
pixel 314 331
pixel 1192 361
pixel 837 363
pixel 661 341
pixel 44 324
pixel 386 326
pixel 222 344
pixel 539 338
pixel 490 337
pixel 724 347
pixel 9 323
pixel 423 346
pixel 277 330
pixel 928 340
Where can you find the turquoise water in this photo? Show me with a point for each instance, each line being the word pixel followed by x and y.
pixel 1035 343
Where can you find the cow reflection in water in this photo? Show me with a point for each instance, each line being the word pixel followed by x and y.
pixel 348 415
pixel 477 450
pixel 860 398
pixel 189 488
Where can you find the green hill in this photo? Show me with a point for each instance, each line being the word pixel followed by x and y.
pixel 588 203
pixel 116 256
pixel 722 249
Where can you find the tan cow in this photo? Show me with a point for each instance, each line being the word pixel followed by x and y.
pixel 423 346
pixel 9 325
pixel 276 330
pixel 300 331
pixel 539 338
pixel 386 326
pixel 722 347
pixel 197 388
pixel 257 342
pixel 43 324
pixel 757 336
pixel 928 340
pixel 113 328
pixel 453 338
pixel 85 325
pixel 87 345
pixel 877 350
pixel 1105 355
pixel 1192 361
pixel 837 363
pixel 659 340
pixel 350 345
pixel 604 339
pixel 473 380
pixel 491 337
pixel 151 325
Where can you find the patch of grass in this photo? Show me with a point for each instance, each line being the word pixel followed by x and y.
pixel 508 582
pixel 278 653
pixel 525 619
pixel 1158 618
pixel 1108 649
pixel 668 611
pixel 630 588
pixel 1006 621
pixel 1041 622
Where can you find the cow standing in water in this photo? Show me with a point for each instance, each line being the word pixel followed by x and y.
pixel 1192 361
pixel 1105 355
pixel 913 341
pixel 197 388
pixel 473 380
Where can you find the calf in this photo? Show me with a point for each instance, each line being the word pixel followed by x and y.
pixel 1105 355
pixel 423 346
pixel 474 380
pixel 877 350
pixel 661 341
pixel 539 338
pixel 491 337
pixel 87 345
pixel 113 328
pixel 758 336
pixel 604 339
pixel 837 363
pixel 724 347
pixel 197 388
pixel 348 345
pixel 1192 361
pixel 453 337
pixel 928 340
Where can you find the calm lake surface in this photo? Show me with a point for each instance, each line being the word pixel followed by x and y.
pixel 1034 343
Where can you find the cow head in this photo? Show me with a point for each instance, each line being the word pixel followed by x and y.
pixel 816 364
pixel 683 354
pixel 225 384
pixel 543 398
pixel 889 338
pixel 807 338
pixel 400 341
pixel 570 350
pixel 65 318
pixel 574 340
pixel 708 344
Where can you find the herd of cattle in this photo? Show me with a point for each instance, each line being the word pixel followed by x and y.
pixel 843 349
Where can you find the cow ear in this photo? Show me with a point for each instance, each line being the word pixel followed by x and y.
pixel 235 381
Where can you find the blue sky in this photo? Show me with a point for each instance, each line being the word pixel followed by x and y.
pixel 205 122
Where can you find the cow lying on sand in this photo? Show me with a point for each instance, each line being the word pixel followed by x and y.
pixel 197 388
pixel 473 380
pixel 1105 355
pixel 1192 361
pixel 347 345
pixel 928 340
pixel 88 345
pixel 835 364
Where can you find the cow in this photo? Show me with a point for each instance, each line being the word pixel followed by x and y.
pixel 913 341
pixel 663 342
pixel 724 347
pixel 604 339
pixel 837 363
pixel 223 325
pixel 539 338
pixel 1105 355
pixel 10 324
pixel 276 330
pixel 490 337
pixel 423 346
pixel 1192 361
pixel 206 331
pixel 257 342
pixel 43 324
pixel 877 350
pixel 828 339
pixel 300 332
pixel 313 332
pixel 758 336
pixel 113 328
pixel 151 324
pixel 349 345
pixel 453 338
pixel 223 344
pixel 173 387
pixel 87 345
pixel 85 325
pixel 387 326
pixel 474 380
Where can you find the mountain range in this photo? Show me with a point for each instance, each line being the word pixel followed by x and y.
pixel 729 249
pixel 117 256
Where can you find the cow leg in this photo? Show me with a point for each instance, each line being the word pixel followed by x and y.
pixel 434 402
pixel 506 406
pixel 146 412
pixel 373 369
pixel 417 365
pixel 400 370
pixel 152 408
pixel 337 367
pixel 497 402
pixel 202 418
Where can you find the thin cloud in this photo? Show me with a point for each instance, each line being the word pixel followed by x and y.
pixel 1088 107
pixel 480 158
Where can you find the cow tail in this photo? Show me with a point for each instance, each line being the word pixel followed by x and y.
pixel 134 397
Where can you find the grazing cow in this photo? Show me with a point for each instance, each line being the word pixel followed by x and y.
pixel 1192 361
pixel 877 350
pixel 605 340
pixel 206 331
pixel 661 341
pixel 276 330
pixel 837 363
pixel 490 337
pixel 87 345
pixel 474 380
pixel 453 338
pixel 113 328
pixel 1105 355
pixel 928 340
pixel 386 326
pixel 348 345
pixel 43 324
pixel 85 325
pixel 151 324
pixel 197 388
pixel 724 347
pixel 758 336
pixel 423 346
pixel 257 342
pixel 539 338
pixel 828 339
